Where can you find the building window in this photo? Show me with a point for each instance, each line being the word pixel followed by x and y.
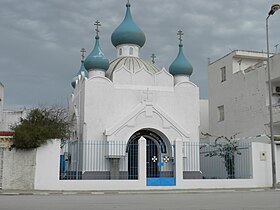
pixel 130 51
pixel 221 113
pixel 223 74
pixel 120 51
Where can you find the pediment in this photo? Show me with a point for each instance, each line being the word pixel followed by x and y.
pixel 146 114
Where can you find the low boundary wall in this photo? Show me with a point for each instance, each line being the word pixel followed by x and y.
pixel 47 170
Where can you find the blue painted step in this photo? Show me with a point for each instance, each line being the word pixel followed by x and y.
pixel 164 181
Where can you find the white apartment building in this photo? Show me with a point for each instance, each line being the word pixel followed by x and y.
pixel 8 117
pixel 238 94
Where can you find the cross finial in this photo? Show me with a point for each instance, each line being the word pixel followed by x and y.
pixel 153 58
pixel 83 51
pixel 97 24
pixel 180 34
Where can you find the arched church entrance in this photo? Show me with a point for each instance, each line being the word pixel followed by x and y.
pixel 160 164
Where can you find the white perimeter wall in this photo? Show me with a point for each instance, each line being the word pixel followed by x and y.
pixel 47 173
pixel 19 169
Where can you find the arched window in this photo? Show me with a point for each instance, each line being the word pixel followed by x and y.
pixel 131 51
pixel 120 51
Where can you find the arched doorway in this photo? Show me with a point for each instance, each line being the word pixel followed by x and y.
pixel 157 149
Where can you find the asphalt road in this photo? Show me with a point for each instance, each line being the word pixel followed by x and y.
pixel 177 200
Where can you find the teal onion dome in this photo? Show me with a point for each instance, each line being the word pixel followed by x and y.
pixel 83 70
pixel 128 32
pixel 73 83
pixel 96 59
pixel 181 66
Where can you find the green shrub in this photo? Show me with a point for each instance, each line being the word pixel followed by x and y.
pixel 40 125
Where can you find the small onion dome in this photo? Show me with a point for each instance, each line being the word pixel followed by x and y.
pixel 83 70
pixel 181 66
pixel 96 60
pixel 128 32
pixel 73 83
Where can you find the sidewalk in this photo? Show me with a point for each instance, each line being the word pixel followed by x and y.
pixel 43 192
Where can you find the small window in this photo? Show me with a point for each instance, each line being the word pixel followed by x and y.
pixel 221 113
pixel 130 51
pixel 223 74
pixel 120 51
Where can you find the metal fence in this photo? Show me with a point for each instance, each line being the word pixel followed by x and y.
pixel 218 161
pixel 100 160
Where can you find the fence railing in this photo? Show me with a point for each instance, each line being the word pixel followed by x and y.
pixel 99 160
pixel 218 161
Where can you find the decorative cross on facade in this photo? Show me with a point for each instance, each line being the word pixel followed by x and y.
pixel 153 58
pixel 83 51
pixel 97 24
pixel 148 93
pixel 166 159
pixel 180 34
pixel 154 159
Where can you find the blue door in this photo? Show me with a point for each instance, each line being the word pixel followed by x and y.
pixel 160 167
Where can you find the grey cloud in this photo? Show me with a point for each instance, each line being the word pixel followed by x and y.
pixel 40 40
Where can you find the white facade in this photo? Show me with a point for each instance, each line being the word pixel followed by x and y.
pixel 239 105
pixel 134 98
pixel 244 96
pixel 113 110
pixel 8 117
pixel 120 109
pixel 204 117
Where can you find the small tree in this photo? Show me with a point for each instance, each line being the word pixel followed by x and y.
pixel 40 125
pixel 225 148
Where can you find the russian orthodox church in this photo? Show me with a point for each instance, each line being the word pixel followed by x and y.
pixel 128 98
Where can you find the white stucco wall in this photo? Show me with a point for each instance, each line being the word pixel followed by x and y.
pixel 46 176
pixel 11 117
pixel 19 169
pixel 243 94
pixel 108 105
pixel 204 116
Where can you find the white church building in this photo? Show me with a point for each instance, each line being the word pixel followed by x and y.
pixel 129 98
pixel 136 127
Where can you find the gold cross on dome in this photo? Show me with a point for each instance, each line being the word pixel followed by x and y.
pixel 97 24
pixel 180 34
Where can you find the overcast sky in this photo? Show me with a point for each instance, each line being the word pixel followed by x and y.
pixel 40 40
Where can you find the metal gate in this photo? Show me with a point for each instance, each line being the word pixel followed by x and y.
pixel 1 165
pixel 160 166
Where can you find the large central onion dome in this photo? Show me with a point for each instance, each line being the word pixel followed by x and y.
pixel 128 32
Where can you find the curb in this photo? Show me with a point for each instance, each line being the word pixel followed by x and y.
pixel 42 193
